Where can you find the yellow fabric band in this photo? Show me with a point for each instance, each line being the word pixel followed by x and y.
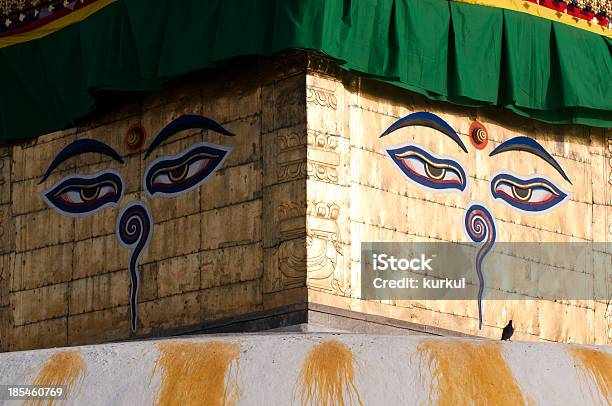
pixel 543 12
pixel 55 25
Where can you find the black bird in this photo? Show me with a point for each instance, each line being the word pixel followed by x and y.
pixel 508 331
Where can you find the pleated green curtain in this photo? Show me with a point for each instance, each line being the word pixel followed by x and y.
pixel 461 53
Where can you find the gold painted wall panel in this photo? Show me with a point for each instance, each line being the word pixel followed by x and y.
pixel 281 221
pixel 65 280
pixel 377 203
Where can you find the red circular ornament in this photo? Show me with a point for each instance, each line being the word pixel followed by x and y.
pixel 479 137
pixel 135 137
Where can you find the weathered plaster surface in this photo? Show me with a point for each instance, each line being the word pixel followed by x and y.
pixel 348 369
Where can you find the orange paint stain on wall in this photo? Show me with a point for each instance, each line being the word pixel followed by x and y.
pixel 194 373
pixel 328 376
pixel 595 366
pixel 466 373
pixel 61 369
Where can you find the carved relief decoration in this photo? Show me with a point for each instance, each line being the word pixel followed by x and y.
pixel 323 159
pixel 321 97
pixel 322 172
pixel 290 220
pixel 291 156
pixel 323 65
pixel 289 258
pixel 324 248
pixel 321 140
pixel 292 263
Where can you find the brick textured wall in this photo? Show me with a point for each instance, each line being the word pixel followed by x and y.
pixel 281 222
pixel 356 194
pixel 7 245
pixel 64 281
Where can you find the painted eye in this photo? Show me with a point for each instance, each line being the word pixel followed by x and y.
pixel 171 176
pixel 182 172
pixel 81 194
pixel 85 195
pixel 522 194
pixel 530 195
pixel 425 169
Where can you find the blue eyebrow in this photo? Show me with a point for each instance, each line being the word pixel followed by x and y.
pixel 186 122
pixel 79 147
pixel 527 144
pixel 425 119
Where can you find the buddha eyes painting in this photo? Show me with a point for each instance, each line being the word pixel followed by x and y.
pixel 437 171
pixel 81 194
pixel 527 193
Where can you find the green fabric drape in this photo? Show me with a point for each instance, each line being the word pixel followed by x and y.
pixel 461 53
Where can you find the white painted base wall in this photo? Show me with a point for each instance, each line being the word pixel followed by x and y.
pixel 273 369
